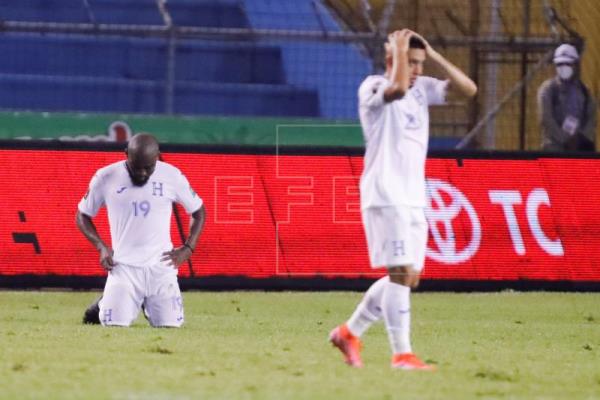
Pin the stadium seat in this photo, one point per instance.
(44, 11)
(38, 93)
(137, 96)
(240, 62)
(259, 100)
(122, 58)
(335, 69)
(215, 13)
(136, 12)
(117, 74)
(221, 14)
(72, 56)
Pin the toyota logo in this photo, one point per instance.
(441, 212)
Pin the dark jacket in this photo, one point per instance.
(552, 114)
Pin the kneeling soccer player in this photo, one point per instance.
(142, 270)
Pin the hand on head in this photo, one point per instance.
(399, 40)
(403, 40)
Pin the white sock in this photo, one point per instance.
(396, 313)
(369, 310)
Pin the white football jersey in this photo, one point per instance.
(396, 137)
(139, 216)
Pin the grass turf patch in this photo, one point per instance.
(255, 345)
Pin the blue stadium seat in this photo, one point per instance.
(260, 100)
(139, 59)
(289, 14)
(212, 13)
(44, 11)
(334, 69)
(115, 74)
(136, 12)
(123, 95)
(39, 93)
(240, 62)
(217, 14)
(71, 56)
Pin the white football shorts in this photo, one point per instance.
(396, 236)
(128, 288)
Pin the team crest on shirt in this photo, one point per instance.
(157, 189)
(419, 97)
(412, 121)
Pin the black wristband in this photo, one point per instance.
(189, 247)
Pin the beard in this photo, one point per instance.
(136, 180)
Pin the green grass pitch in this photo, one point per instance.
(255, 345)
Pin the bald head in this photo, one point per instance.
(142, 155)
(143, 144)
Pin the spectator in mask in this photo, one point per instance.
(567, 111)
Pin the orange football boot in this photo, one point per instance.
(348, 344)
(410, 361)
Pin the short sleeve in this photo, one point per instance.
(186, 195)
(93, 199)
(371, 91)
(435, 90)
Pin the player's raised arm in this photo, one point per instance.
(397, 55)
(459, 82)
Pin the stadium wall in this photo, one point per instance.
(238, 131)
(288, 218)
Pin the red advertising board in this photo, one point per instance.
(297, 216)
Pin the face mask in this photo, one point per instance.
(565, 72)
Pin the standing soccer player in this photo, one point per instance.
(142, 269)
(395, 120)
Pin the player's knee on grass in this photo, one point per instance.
(164, 311)
(118, 306)
(164, 306)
